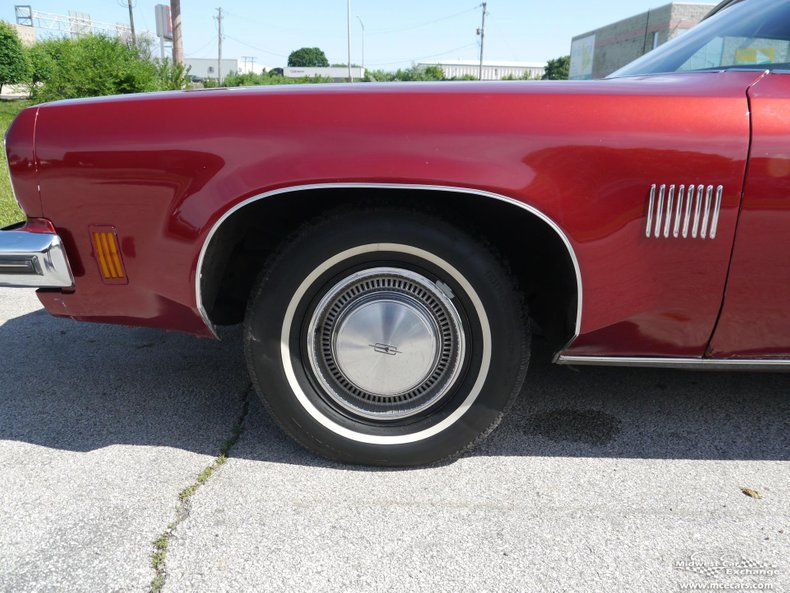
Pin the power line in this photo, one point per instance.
(202, 47)
(424, 24)
(266, 51)
(272, 26)
(370, 31)
(249, 64)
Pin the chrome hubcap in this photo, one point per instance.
(386, 343)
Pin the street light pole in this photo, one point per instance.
(482, 32)
(219, 46)
(363, 42)
(131, 24)
(348, 25)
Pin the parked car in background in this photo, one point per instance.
(389, 248)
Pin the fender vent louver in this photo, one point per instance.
(684, 211)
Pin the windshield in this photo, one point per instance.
(748, 34)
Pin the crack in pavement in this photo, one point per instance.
(161, 543)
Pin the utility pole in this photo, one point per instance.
(219, 45)
(363, 42)
(131, 24)
(482, 32)
(348, 26)
(178, 45)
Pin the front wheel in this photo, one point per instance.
(386, 337)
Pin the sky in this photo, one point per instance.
(397, 33)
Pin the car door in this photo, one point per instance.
(755, 318)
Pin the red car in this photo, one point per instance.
(390, 248)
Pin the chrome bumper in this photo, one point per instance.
(35, 260)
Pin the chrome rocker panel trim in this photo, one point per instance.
(731, 364)
(443, 188)
(33, 260)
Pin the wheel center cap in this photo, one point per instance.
(386, 345)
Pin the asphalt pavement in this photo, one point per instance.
(598, 480)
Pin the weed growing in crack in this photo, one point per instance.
(161, 543)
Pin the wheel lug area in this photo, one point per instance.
(385, 343)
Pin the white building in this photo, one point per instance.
(247, 66)
(492, 69)
(206, 68)
(337, 74)
(27, 35)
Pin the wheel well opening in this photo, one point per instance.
(537, 256)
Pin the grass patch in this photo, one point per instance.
(9, 212)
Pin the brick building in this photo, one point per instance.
(598, 53)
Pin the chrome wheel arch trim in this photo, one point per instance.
(360, 437)
(733, 364)
(402, 186)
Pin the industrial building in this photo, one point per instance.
(492, 70)
(336, 73)
(209, 68)
(26, 34)
(598, 53)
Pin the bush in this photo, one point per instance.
(94, 66)
(172, 77)
(407, 75)
(269, 78)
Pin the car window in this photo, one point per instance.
(747, 34)
(725, 52)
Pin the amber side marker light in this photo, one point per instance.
(107, 252)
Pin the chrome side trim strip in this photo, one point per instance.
(706, 216)
(678, 211)
(697, 212)
(669, 211)
(689, 201)
(716, 209)
(741, 364)
(649, 225)
(459, 190)
(659, 210)
(705, 222)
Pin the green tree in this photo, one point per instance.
(13, 62)
(307, 57)
(557, 69)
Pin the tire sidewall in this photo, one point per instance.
(282, 285)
